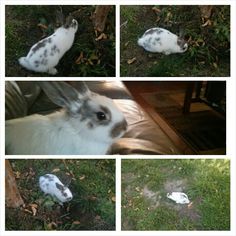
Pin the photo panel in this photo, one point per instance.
(111, 117)
(175, 40)
(60, 194)
(60, 40)
(175, 194)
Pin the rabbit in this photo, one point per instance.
(88, 123)
(178, 197)
(50, 184)
(45, 55)
(162, 41)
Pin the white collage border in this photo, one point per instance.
(231, 116)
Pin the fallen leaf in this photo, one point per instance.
(28, 211)
(215, 65)
(101, 36)
(208, 22)
(82, 177)
(130, 61)
(137, 189)
(79, 60)
(156, 10)
(126, 44)
(52, 226)
(76, 222)
(55, 170)
(113, 198)
(17, 174)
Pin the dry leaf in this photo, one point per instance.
(130, 61)
(82, 177)
(215, 65)
(76, 222)
(42, 26)
(208, 22)
(28, 211)
(137, 189)
(156, 10)
(17, 174)
(55, 170)
(79, 60)
(126, 44)
(101, 36)
(113, 198)
(52, 226)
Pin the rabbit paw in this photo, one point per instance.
(52, 71)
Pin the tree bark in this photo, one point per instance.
(100, 17)
(13, 197)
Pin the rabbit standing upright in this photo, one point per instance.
(88, 124)
(45, 55)
(162, 41)
(50, 184)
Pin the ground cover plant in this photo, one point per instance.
(92, 185)
(145, 184)
(207, 34)
(91, 54)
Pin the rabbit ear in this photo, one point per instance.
(63, 94)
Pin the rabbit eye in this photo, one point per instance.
(101, 115)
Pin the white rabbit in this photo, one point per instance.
(88, 124)
(178, 197)
(162, 41)
(45, 55)
(50, 184)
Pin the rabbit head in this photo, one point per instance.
(89, 114)
(71, 23)
(182, 45)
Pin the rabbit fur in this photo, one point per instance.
(87, 124)
(50, 184)
(162, 41)
(45, 55)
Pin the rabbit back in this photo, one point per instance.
(159, 40)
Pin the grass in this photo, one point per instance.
(92, 186)
(98, 56)
(145, 184)
(209, 46)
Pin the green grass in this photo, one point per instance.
(99, 56)
(209, 46)
(92, 185)
(206, 182)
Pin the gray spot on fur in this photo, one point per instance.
(45, 53)
(60, 187)
(39, 45)
(31, 55)
(88, 113)
(54, 49)
(118, 129)
(152, 31)
(49, 178)
(181, 42)
(157, 39)
(44, 62)
(49, 40)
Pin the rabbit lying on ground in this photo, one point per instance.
(45, 55)
(162, 41)
(50, 184)
(88, 124)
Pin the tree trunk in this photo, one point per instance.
(13, 197)
(100, 17)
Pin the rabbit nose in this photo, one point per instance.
(69, 198)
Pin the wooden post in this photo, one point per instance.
(13, 197)
(100, 17)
